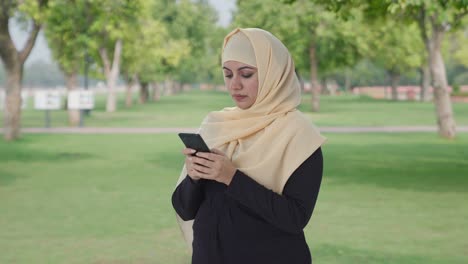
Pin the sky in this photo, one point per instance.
(41, 50)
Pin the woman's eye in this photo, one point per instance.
(247, 75)
(229, 76)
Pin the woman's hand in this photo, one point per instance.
(189, 163)
(211, 166)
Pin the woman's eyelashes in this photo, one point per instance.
(244, 75)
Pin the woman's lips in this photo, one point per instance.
(239, 97)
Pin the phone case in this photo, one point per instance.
(194, 141)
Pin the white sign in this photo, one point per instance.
(47, 100)
(80, 100)
(24, 100)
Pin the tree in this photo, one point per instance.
(442, 16)
(66, 32)
(194, 22)
(161, 50)
(319, 42)
(143, 52)
(109, 24)
(99, 28)
(13, 59)
(395, 47)
(435, 18)
(205, 38)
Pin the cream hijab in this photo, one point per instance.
(269, 140)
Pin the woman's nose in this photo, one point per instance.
(236, 83)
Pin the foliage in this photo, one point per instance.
(149, 48)
(76, 28)
(110, 21)
(67, 33)
(455, 48)
(444, 14)
(395, 46)
(462, 78)
(194, 22)
(28, 10)
(301, 23)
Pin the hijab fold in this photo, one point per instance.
(271, 139)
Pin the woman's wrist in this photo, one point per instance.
(193, 178)
(229, 176)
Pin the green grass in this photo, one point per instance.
(351, 110)
(188, 110)
(385, 198)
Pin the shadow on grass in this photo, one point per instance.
(419, 167)
(327, 253)
(7, 178)
(167, 160)
(28, 155)
(21, 151)
(25, 156)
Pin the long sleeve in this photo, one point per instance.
(187, 198)
(290, 211)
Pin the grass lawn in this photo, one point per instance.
(385, 198)
(189, 108)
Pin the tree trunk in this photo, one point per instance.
(168, 86)
(13, 62)
(144, 92)
(131, 81)
(443, 105)
(425, 82)
(129, 95)
(425, 67)
(301, 81)
(314, 82)
(394, 81)
(156, 92)
(331, 86)
(178, 87)
(71, 80)
(12, 110)
(348, 76)
(112, 73)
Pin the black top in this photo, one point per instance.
(248, 223)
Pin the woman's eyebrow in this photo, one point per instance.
(246, 67)
(241, 68)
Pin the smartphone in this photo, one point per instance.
(194, 141)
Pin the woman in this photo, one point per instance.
(251, 197)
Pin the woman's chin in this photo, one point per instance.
(243, 106)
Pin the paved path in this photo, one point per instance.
(147, 130)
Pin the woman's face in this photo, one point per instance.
(242, 83)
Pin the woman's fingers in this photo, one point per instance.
(202, 169)
(188, 151)
(209, 165)
(208, 156)
(195, 164)
(201, 161)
